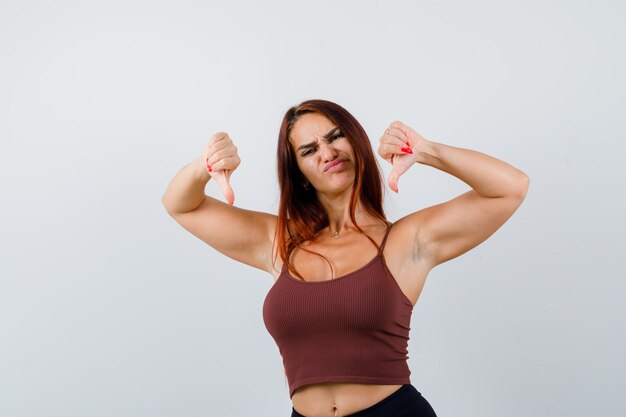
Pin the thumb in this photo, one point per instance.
(396, 170)
(394, 175)
(222, 177)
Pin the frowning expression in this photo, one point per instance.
(323, 153)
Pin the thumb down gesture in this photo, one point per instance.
(221, 159)
(399, 145)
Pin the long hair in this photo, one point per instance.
(301, 205)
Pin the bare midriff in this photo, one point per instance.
(338, 399)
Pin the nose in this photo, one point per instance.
(327, 151)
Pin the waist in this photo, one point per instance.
(323, 399)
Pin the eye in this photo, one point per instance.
(338, 135)
(331, 139)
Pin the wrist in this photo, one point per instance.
(427, 150)
(200, 169)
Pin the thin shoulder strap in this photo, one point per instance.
(382, 245)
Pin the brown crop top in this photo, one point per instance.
(354, 328)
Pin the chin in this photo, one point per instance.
(338, 186)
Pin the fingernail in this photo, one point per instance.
(408, 144)
(209, 167)
(407, 150)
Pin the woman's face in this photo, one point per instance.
(317, 155)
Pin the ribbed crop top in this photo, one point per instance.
(354, 328)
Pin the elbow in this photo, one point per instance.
(522, 188)
(165, 204)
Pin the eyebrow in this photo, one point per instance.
(311, 144)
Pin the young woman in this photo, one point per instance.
(346, 279)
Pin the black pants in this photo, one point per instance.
(405, 402)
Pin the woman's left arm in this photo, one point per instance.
(447, 230)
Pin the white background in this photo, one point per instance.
(109, 308)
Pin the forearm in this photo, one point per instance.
(487, 175)
(185, 191)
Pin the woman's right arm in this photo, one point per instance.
(243, 235)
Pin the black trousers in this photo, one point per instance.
(407, 401)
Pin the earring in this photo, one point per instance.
(306, 184)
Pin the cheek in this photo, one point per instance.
(305, 165)
(307, 162)
(346, 147)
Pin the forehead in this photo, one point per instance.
(308, 126)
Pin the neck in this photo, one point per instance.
(337, 209)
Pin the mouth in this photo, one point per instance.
(335, 165)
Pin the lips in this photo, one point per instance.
(333, 163)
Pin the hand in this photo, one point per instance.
(220, 159)
(399, 145)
